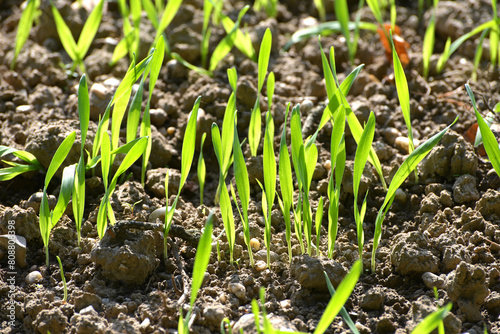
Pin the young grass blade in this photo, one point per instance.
(494, 36)
(243, 186)
(403, 94)
(489, 140)
(362, 151)
(321, 9)
(89, 30)
(343, 311)
(375, 8)
(264, 53)
(478, 54)
(228, 133)
(428, 45)
(63, 279)
(167, 16)
(269, 162)
(67, 184)
(227, 219)
(201, 259)
(188, 144)
(134, 113)
(342, 13)
(24, 27)
(206, 31)
(444, 56)
(286, 183)
(226, 44)
(201, 169)
(339, 299)
(243, 41)
(404, 170)
(59, 157)
(270, 90)
(432, 321)
(65, 35)
(318, 220)
(232, 77)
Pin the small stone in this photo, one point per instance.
(327, 164)
(262, 255)
(255, 244)
(19, 244)
(403, 144)
(237, 289)
(88, 310)
(260, 265)
(214, 314)
(464, 189)
(400, 195)
(432, 280)
(390, 134)
(170, 131)
(158, 117)
(35, 200)
(33, 277)
(373, 299)
(24, 108)
(309, 272)
(306, 106)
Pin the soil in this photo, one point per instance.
(442, 231)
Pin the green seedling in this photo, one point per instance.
(105, 209)
(286, 185)
(321, 9)
(404, 170)
(317, 221)
(335, 305)
(243, 186)
(145, 130)
(49, 219)
(304, 157)
(131, 31)
(343, 311)
(360, 160)
(494, 36)
(188, 147)
(479, 53)
(432, 321)
(269, 180)
(77, 51)
(337, 158)
(201, 260)
(15, 168)
(403, 96)
(243, 41)
(254, 130)
(488, 138)
(201, 169)
(220, 52)
(78, 203)
(228, 220)
(336, 94)
(342, 13)
(63, 279)
(328, 28)
(270, 6)
(429, 40)
(24, 27)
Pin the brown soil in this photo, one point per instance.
(442, 231)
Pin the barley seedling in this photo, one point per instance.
(201, 260)
(78, 203)
(63, 279)
(343, 311)
(337, 159)
(402, 173)
(342, 13)
(188, 147)
(403, 96)
(15, 168)
(49, 219)
(484, 132)
(432, 321)
(270, 6)
(336, 94)
(318, 219)
(429, 40)
(131, 32)
(243, 186)
(24, 27)
(201, 168)
(254, 130)
(286, 185)
(269, 180)
(78, 51)
(360, 160)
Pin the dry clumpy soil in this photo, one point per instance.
(441, 232)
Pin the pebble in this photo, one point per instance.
(170, 130)
(306, 106)
(403, 144)
(260, 265)
(327, 164)
(255, 244)
(390, 134)
(158, 117)
(20, 247)
(158, 213)
(400, 195)
(262, 255)
(432, 280)
(237, 289)
(33, 277)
